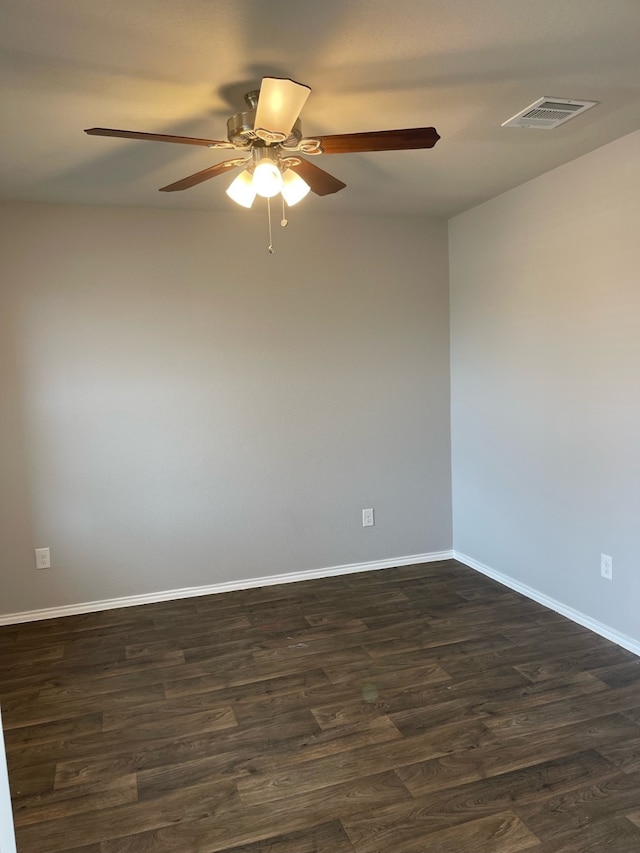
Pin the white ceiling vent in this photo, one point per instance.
(547, 113)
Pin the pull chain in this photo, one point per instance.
(284, 222)
(271, 249)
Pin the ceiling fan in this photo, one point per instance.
(270, 133)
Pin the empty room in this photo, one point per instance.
(319, 418)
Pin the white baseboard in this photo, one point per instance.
(564, 610)
(600, 628)
(227, 586)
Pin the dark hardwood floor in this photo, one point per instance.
(416, 709)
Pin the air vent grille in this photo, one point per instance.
(547, 113)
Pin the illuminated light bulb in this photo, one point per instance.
(242, 190)
(294, 189)
(267, 180)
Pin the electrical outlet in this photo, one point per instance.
(367, 518)
(606, 566)
(43, 558)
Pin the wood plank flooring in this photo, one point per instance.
(416, 709)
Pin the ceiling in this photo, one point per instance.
(182, 67)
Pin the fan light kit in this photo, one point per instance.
(270, 133)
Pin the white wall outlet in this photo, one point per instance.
(606, 566)
(43, 558)
(367, 518)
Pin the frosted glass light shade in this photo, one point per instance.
(279, 106)
(242, 190)
(294, 189)
(267, 180)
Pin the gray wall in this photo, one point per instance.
(179, 408)
(545, 359)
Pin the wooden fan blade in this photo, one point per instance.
(379, 140)
(204, 175)
(158, 137)
(279, 105)
(321, 182)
